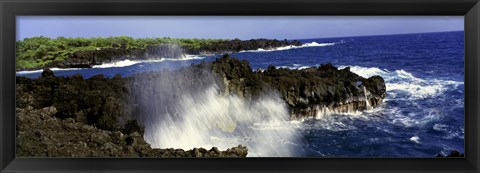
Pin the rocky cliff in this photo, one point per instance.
(61, 108)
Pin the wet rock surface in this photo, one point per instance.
(100, 116)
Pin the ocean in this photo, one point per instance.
(421, 116)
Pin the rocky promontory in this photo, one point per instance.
(101, 116)
(98, 56)
(308, 92)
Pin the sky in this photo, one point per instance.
(229, 27)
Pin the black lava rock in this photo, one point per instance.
(47, 72)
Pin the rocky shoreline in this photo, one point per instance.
(103, 112)
(89, 58)
(77, 117)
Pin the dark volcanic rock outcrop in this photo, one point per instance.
(95, 101)
(41, 134)
(310, 91)
(77, 117)
(64, 107)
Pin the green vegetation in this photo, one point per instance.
(39, 51)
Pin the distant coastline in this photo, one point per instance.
(43, 52)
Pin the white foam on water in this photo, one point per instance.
(187, 57)
(401, 81)
(292, 68)
(398, 81)
(418, 91)
(455, 134)
(330, 123)
(40, 71)
(127, 62)
(123, 63)
(420, 119)
(415, 139)
(315, 44)
(366, 72)
(449, 131)
(406, 121)
(29, 72)
(312, 44)
(440, 127)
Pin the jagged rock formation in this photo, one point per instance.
(95, 101)
(307, 92)
(111, 106)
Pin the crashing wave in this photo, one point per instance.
(405, 82)
(212, 120)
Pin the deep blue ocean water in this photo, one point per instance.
(421, 116)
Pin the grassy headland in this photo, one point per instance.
(37, 52)
(40, 52)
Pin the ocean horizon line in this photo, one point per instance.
(377, 35)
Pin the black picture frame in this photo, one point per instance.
(470, 9)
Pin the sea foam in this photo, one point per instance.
(405, 82)
(41, 70)
(415, 139)
(312, 44)
(127, 62)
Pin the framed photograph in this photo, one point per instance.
(262, 86)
